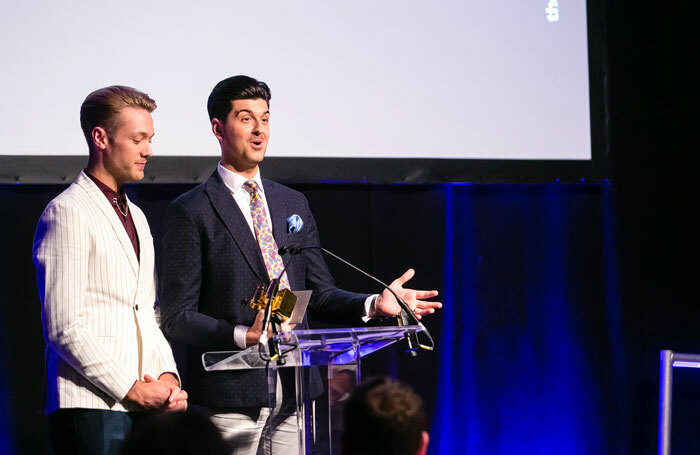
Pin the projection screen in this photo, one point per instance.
(443, 80)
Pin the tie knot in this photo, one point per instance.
(251, 187)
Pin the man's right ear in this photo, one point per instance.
(99, 138)
(424, 440)
(217, 128)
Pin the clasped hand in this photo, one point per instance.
(162, 394)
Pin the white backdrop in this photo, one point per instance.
(394, 78)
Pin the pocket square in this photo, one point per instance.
(294, 224)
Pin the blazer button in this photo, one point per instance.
(136, 307)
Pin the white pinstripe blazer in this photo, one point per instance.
(99, 309)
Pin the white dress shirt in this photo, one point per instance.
(234, 182)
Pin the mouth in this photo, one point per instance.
(141, 165)
(257, 144)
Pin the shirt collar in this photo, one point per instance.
(106, 190)
(235, 181)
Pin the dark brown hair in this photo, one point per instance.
(383, 416)
(223, 94)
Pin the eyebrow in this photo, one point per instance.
(251, 112)
(142, 134)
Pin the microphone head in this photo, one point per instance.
(292, 249)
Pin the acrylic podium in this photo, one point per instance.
(337, 351)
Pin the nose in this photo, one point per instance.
(147, 151)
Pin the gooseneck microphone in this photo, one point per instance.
(274, 345)
(294, 249)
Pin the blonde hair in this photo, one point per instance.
(102, 107)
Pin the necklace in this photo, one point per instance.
(123, 212)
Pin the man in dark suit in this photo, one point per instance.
(220, 240)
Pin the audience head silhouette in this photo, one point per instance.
(384, 416)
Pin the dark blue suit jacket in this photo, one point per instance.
(211, 263)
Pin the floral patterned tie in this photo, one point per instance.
(268, 247)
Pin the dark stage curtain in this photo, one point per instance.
(531, 356)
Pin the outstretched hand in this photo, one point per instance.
(386, 304)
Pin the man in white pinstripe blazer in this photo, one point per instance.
(106, 359)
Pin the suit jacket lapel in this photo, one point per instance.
(141, 225)
(142, 229)
(233, 219)
(105, 207)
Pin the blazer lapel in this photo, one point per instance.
(230, 214)
(145, 267)
(106, 208)
(142, 229)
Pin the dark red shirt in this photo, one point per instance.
(121, 207)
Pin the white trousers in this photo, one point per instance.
(249, 433)
(245, 433)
